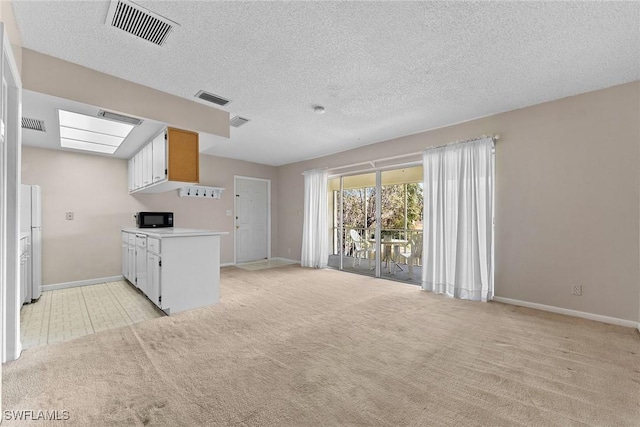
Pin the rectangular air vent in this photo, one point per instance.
(140, 22)
(119, 118)
(238, 121)
(209, 97)
(33, 124)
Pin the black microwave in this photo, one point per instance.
(154, 219)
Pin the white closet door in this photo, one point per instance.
(252, 206)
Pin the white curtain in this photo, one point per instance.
(315, 231)
(458, 216)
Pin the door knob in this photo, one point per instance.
(237, 227)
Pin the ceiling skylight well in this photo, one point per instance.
(87, 133)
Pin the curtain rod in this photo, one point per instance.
(373, 168)
(494, 137)
(372, 163)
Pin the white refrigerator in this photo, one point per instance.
(31, 222)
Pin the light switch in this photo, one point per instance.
(69, 216)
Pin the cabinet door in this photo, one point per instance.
(141, 269)
(132, 264)
(153, 278)
(125, 260)
(137, 166)
(147, 161)
(131, 175)
(159, 158)
(183, 155)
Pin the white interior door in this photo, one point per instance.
(252, 216)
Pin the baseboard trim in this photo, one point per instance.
(275, 258)
(297, 261)
(65, 285)
(569, 312)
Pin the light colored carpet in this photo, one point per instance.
(297, 347)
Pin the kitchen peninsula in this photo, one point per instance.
(178, 269)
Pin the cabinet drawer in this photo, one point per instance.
(132, 239)
(141, 241)
(153, 245)
(125, 237)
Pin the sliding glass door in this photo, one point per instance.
(401, 224)
(351, 199)
(376, 223)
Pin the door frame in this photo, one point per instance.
(235, 212)
(377, 272)
(12, 147)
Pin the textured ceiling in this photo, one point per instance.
(380, 69)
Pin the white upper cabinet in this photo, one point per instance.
(169, 161)
(147, 165)
(159, 166)
(137, 171)
(131, 175)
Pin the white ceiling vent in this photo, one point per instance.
(119, 118)
(238, 121)
(215, 99)
(33, 124)
(140, 22)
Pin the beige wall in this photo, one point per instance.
(211, 214)
(95, 189)
(567, 198)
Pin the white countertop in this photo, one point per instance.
(24, 234)
(174, 232)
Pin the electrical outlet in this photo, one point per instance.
(576, 290)
(69, 216)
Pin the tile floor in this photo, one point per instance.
(264, 264)
(73, 312)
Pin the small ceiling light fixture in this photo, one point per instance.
(318, 109)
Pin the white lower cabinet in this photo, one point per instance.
(129, 256)
(125, 260)
(154, 264)
(177, 270)
(141, 262)
(131, 263)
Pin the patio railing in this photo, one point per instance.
(348, 245)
